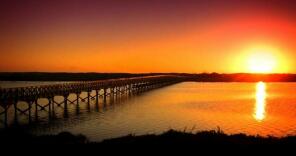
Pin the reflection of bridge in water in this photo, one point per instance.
(26, 101)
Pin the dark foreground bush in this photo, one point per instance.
(172, 139)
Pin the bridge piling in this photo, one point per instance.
(105, 95)
(88, 100)
(36, 110)
(49, 108)
(97, 97)
(53, 107)
(30, 111)
(66, 106)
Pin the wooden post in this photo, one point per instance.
(30, 109)
(97, 97)
(77, 99)
(105, 95)
(53, 102)
(88, 100)
(36, 110)
(66, 106)
(77, 103)
(111, 95)
(88, 97)
(49, 108)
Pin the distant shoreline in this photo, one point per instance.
(200, 77)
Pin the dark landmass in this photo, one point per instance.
(172, 138)
(205, 139)
(202, 77)
(242, 77)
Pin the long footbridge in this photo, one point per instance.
(11, 98)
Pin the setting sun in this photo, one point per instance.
(261, 58)
(261, 62)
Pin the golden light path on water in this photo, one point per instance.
(259, 113)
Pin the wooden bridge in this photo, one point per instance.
(95, 90)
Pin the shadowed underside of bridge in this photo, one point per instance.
(95, 90)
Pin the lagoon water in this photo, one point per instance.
(251, 108)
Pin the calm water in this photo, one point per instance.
(252, 108)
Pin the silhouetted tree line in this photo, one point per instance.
(243, 77)
(202, 77)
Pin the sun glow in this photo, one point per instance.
(261, 58)
(261, 62)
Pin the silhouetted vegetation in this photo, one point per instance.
(202, 77)
(206, 139)
(242, 77)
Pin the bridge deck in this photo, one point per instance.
(11, 95)
(110, 90)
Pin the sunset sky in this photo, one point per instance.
(148, 36)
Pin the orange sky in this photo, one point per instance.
(180, 36)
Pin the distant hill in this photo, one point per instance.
(243, 77)
(201, 77)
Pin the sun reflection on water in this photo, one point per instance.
(259, 113)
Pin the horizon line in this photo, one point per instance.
(65, 72)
